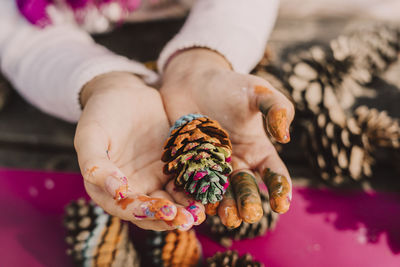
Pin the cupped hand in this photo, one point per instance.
(248, 107)
(119, 141)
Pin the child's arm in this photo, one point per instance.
(236, 29)
(205, 70)
(123, 125)
(49, 66)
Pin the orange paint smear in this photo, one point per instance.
(279, 191)
(229, 214)
(251, 212)
(124, 203)
(277, 124)
(163, 209)
(261, 90)
(92, 170)
(211, 208)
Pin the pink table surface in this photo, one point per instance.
(323, 227)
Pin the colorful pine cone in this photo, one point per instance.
(96, 238)
(173, 249)
(246, 230)
(232, 259)
(197, 154)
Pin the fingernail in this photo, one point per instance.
(157, 208)
(197, 213)
(277, 125)
(183, 220)
(211, 208)
(117, 188)
(229, 215)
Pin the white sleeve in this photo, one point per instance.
(237, 29)
(50, 66)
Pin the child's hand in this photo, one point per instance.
(119, 141)
(200, 80)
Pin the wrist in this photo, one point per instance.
(108, 82)
(195, 59)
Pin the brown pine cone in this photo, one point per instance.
(245, 230)
(338, 151)
(231, 259)
(96, 238)
(198, 153)
(173, 249)
(381, 129)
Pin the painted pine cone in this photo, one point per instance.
(245, 230)
(96, 238)
(231, 258)
(173, 249)
(197, 154)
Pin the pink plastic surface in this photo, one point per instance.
(323, 227)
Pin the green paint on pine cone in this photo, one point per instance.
(202, 172)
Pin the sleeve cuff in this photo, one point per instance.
(236, 29)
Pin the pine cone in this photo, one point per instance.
(337, 151)
(231, 259)
(381, 129)
(325, 83)
(96, 238)
(173, 249)
(245, 230)
(198, 153)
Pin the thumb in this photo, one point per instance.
(91, 145)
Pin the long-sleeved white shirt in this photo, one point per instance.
(49, 66)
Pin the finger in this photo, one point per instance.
(96, 168)
(211, 208)
(276, 178)
(194, 207)
(277, 110)
(183, 220)
(228, 211)
(247, 195)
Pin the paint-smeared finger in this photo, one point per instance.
(277, 179)
(144, 207)
(247, 195)
(277, 110)
(194, 207)
(183, 220)
(279, 189)
(211, 208)
(228, 211)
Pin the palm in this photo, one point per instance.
(129, 132)
(224, 96)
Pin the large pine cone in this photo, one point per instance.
(245, 230)
(231, 259)
(96, 238)
(173, 249)
(198, 153)
(338, 151)
(325, 82)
